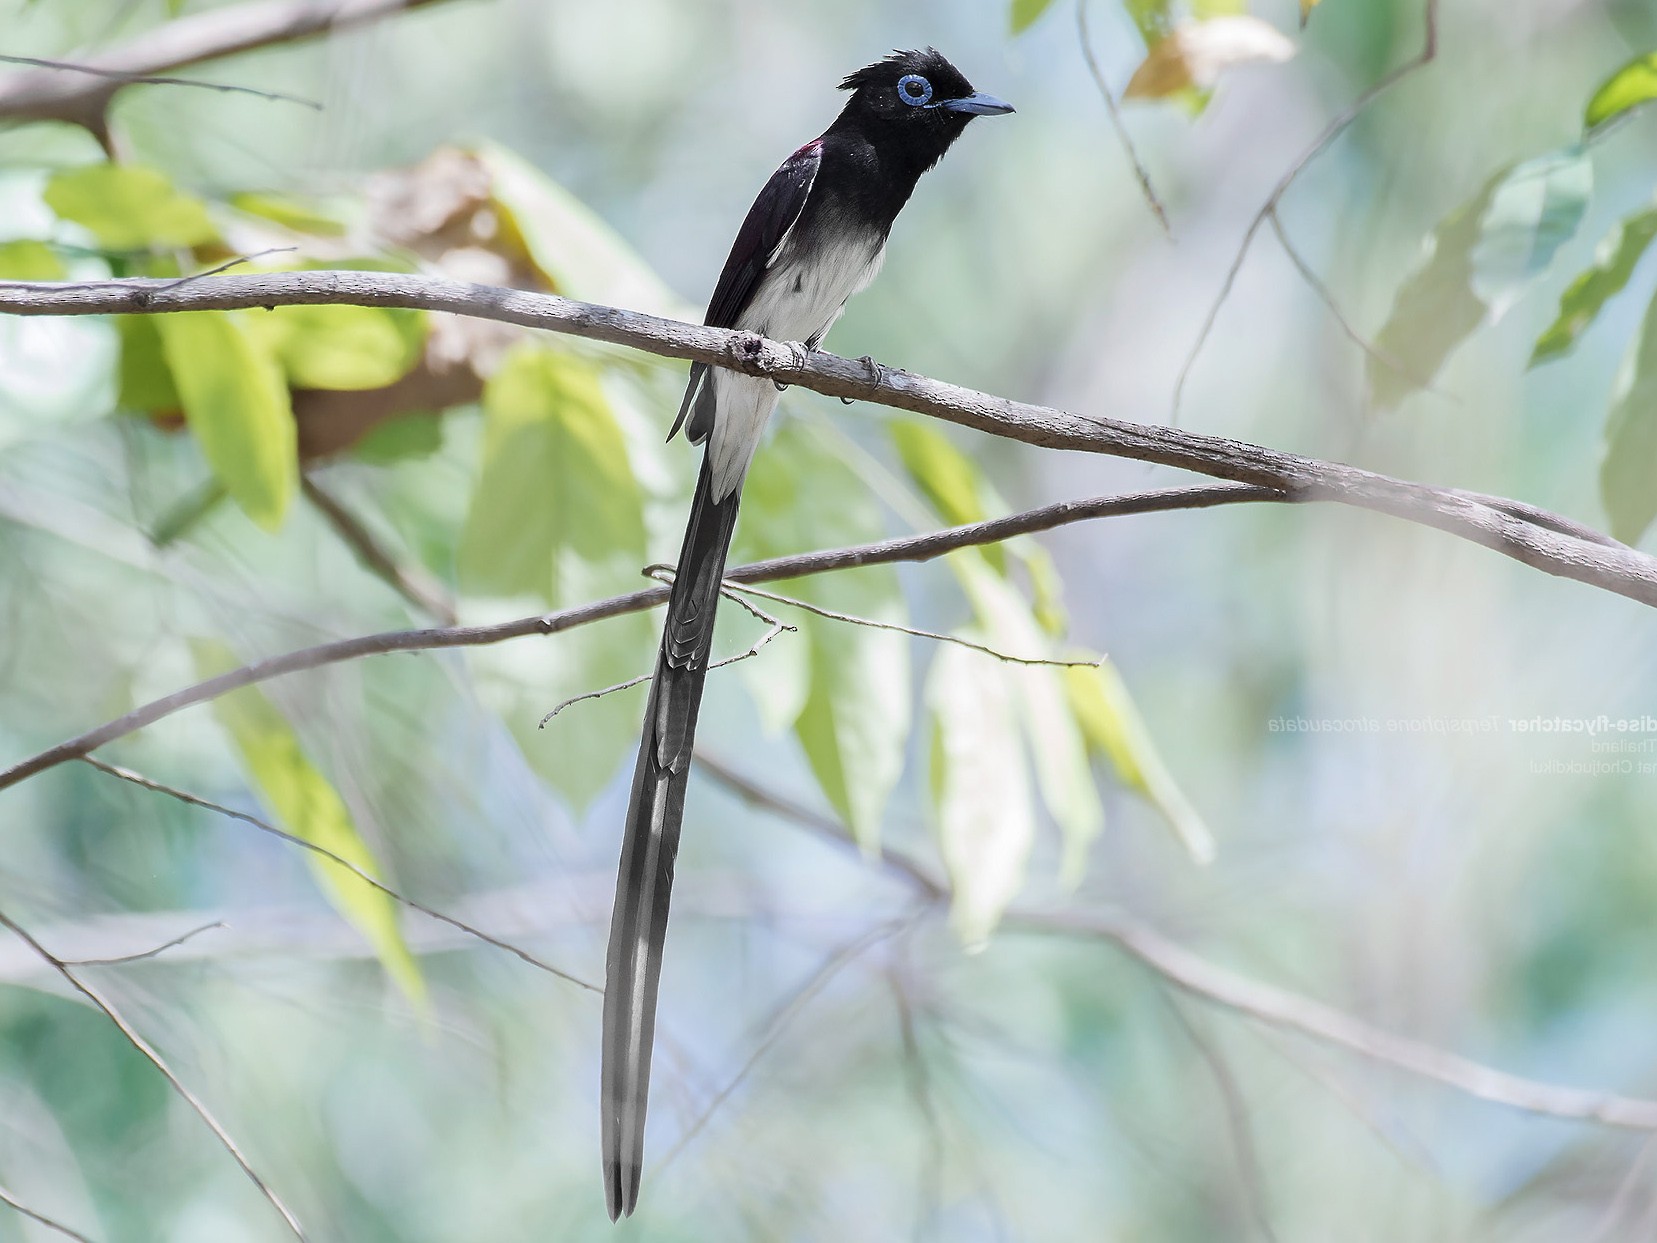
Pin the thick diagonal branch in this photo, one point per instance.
(1544, 541)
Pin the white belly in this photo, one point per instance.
(799, 299)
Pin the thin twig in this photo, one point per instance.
(1332, 131)
(413, 583)
(1139, 171)
(17, 1205)
(1273, 1006)
(195, 800)
(775, 628)
(882, 552)
(957, 640)
(155, 1059)
(1538, 545)
(779, 1019)
(1327, 296)
(151, 953)
(150, 79)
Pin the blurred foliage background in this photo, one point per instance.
(1331, 693)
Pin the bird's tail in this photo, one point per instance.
(644, 882)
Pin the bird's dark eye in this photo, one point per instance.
(914, 90)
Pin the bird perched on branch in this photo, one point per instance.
(815, 236)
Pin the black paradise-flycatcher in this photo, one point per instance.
(815, 236)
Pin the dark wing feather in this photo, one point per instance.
(773, 214)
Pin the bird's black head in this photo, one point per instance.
(917, 99)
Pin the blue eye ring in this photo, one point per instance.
(914, 90)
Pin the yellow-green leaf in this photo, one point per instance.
(1614, 263)
(1306, 7)
(343, 347)
(1632, 85)
(29, 261)
(1628, 475)
(1115, 730)
(950, 480)
(291, 213)
(556, 501)
(129, 207)
(144, 382)
(303, 802)
(236, 403)
(1025, 13)
(980, 786)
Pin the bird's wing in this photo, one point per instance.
(761, 237)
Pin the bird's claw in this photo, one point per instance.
(877, 375)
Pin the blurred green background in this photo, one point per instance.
(1486, 891)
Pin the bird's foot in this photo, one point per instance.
(877, 375)
(802, 351)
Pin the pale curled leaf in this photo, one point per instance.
(1534, 211)
(1115, 730)
(980, 788)
(1628, 474)
(1614, 262)
(1628, 88)
(1194, 54)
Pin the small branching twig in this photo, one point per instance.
(155, 1059)
(775, 628)
(957, 640)
(195, 800)
(123, 959)
(1268, 210)
(149, 79)
(1085, 38)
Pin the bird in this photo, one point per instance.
(815, 236)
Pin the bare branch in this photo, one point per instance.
(908, 548)
(1539, 545)
(1283, 1009)
(155, 1059)
(1332, 131)
(82, 98)
(413, 583)
(130, 79)
(17, 1205)
(195, 800)
(1272, 1006)
(1085, 38)
(123, 959)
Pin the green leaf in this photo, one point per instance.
(304, 803)
(1306, 7)
(1632, 85)
(950, 480)
(291, 213)
(980, 788)
(1435, 309)
(1534, 211)
(401, 439)
(556, 510)
(1628, 474)
(29, 261)
(1115, 730)
(129, 207)
(580, 255)
(237, 407)
(1025, 13)
(853, 721)
(144, 382)
(1614, 263)
(347, 348)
